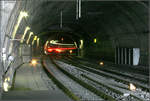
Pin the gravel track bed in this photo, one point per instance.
(50, 85)
(78, 72)
(134, 76)
(74, 87)
(125, 80)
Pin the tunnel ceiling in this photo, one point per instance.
(102, 19)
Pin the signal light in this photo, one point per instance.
(95, 40)
(101, 63)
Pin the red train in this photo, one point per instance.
(59, 48)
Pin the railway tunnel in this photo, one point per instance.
(111, 39)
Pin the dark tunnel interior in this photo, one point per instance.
(108, 35)
(113, 24)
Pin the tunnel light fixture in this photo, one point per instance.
(33, 42)
(21, 15)
(7, 79)
(25, 31)
(75, 44)
(78, 9)
(81, 44)
(47, 42)
(31, 33)
(5, 86)
(95, 40)
(38, 41)
(35, 37)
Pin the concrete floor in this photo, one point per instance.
(29, 78)
(31, 83)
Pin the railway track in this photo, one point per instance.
(69, 86)
(136, 77)
(140, 93)
(96, 81)
(95, 86)
(119, 78)
(139, 71)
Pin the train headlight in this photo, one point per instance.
(70, 51)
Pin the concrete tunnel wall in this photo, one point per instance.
(125, 25)
(6, 8)
(10, 60)
(127, 28)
